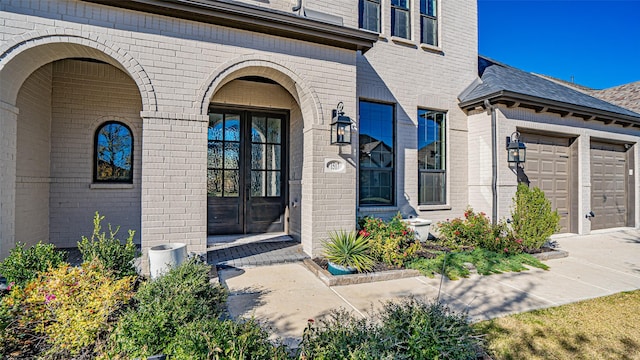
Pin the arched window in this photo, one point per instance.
(113, 153)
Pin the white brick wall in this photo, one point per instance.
(176, 66)
(32, 158)
(85, 95)
(409, 75)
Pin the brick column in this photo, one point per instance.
(174, 181)
(328, 192)
(8, 143)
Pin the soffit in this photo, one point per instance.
(252, 18)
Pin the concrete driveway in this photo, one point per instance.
(285, 296)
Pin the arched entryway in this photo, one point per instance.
(257, 149)
(58, 92)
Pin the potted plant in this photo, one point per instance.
(347, 253)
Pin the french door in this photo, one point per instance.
(246, 171)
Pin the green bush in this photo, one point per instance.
(64, 313)
(391, 242)
(24, 264)
(501, 240)
(349, 250)
(533, 219)
(406, 330)
(114, 255)
(473, 230)
(163, 306)
(217, 339)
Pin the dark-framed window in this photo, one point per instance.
(429, 22)
(400, 19)
(370, 15)
(113, 153)
(377, 154)
(432, 176)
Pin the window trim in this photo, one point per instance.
(445, 201)
(392, 17)
(437, 27)
(394, 172)
(361, 7)
(95, 179)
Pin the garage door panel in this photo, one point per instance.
(547, 167)
(608, 186)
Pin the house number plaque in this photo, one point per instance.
(334, 166)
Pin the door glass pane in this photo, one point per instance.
(214, 183)
(257, 184)
(273, 157)
(215, 127)
(273, 183)
(232, 128)
(274, 130)
(214, 154)
(231, 183)
(232, 155)
(258, 129)
(258, 156)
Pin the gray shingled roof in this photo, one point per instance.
(496, 78)
(627, 95)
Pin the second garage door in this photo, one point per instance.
(548, 167)
(608, 185)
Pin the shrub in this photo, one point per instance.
(349, 250)
(163, 306)
(216, 339)
(533, 219)
(24, 264)
(471, 231)
(406, 330)
(65, 312)
(422, 330)
(109, 250)
(391, 242)
(501, 240)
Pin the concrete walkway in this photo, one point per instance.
(285, 296)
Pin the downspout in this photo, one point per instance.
(297, 7)
(494, 161)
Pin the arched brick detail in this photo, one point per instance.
(23, 54)
(257, 65)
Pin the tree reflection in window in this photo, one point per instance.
(113, 153)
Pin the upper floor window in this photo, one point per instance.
(429, 22)
(400, 19)
(431, 158)
(377, 143)
(113, 159)
(370, 15)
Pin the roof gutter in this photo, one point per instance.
(582, 111)
(253, 18)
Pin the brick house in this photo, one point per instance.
(183, 119)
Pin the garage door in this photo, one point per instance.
(608, 185)
(547, 167)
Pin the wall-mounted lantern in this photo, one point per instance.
(516, 149)
(340, 127)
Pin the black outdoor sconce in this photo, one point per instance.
(340, 127)
(516, 149)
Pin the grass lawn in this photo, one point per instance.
(603, 328)
(486, 263)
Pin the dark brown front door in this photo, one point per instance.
(246, 171)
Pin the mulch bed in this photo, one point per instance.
(428, 251)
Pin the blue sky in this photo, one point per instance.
(597, 41)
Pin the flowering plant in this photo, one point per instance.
(391, 242)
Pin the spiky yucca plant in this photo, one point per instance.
(349, 250)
